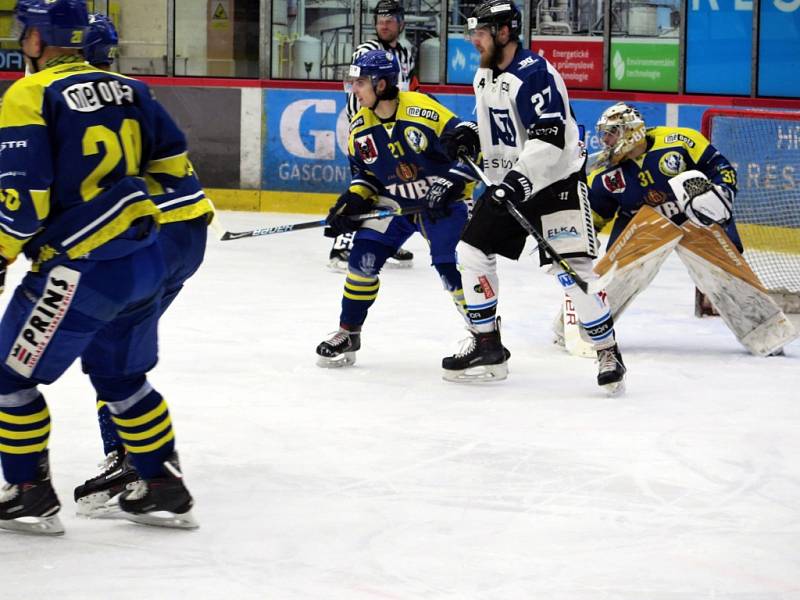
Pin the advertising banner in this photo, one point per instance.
(462, 60)
(779, 48)
(578, 59)
(644, 64)
(11, 60)
(719, 37)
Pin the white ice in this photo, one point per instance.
(384, 482)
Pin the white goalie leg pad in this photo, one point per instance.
(481, 285)
(639, 252)
(720, 271)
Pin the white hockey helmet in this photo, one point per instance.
(623, 127)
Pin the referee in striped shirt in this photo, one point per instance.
(389, 24)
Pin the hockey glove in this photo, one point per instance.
(462, 140)
(702, 201)
(339, 220)
(442, 192)
(515, 189)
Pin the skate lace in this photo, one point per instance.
(608, 360)
(108, 462)
(8, 492)
(466, 347)
(337, 338)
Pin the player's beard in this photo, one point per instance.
(492, 58)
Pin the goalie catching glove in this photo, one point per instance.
(702, 201)
(339, 220)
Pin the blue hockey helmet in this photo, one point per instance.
(377, 65)
(61, 23)
(100, 43)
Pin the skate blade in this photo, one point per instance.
(479, 374)
(164, 519)
(34, 525)
(346, 359)
(337, 266)
(614, 389)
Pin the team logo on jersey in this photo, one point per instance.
(671, 164)
(502, 127)
(526, 62)
(425, 113)
(365, 149)
(655, 197)
(357, 123)
(614, 181)
(679, 137)
(406, 171)
(93, 95)
(416, 139)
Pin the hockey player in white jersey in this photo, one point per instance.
(531, 151)
(389, 26)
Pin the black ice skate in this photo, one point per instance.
(402, 259)
(98, 496)
(161, 502)
(340, 349)
(482, 358)
(31, 507)
(611, 370)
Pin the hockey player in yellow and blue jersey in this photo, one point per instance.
(182, 238)
(637, 164)
(397, 161)
(77, 143)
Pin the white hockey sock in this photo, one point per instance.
(593, 310)
(481, 286)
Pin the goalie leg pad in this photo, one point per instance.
(722, 274)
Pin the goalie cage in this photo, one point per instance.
(764, 147)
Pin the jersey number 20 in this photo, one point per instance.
(125, 144)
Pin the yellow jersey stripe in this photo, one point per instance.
(150, 447)
(143, 435)
(25, 435)
(24, 419)
(142, 419)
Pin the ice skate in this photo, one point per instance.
(337, 260)
(31, 507)
(611, 373)
(339, 350)
(402, 259)
(482, 358)
(98, 496)
(160, 502)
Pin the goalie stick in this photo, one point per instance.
(225, 235)
(587, 287)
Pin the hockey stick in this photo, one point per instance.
(588, 287)
(376, 214)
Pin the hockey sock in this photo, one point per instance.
(24, 431)
(451, 279)
(361, 286)
(108, 431)
(144, 424)
(593, 310)
(481, 286)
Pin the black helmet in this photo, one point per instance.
(495, 14)
(390, 8)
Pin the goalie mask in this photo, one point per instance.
(620, 128)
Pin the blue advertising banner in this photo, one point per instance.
(462, 60)
(719, 37)
(11, 60)
(779, 48)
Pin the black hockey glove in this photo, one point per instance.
(515, 189)
(339, 220)
(442, 192)
(462, 140)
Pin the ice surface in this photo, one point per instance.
(384, 482)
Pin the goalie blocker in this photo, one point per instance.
(714, 264)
